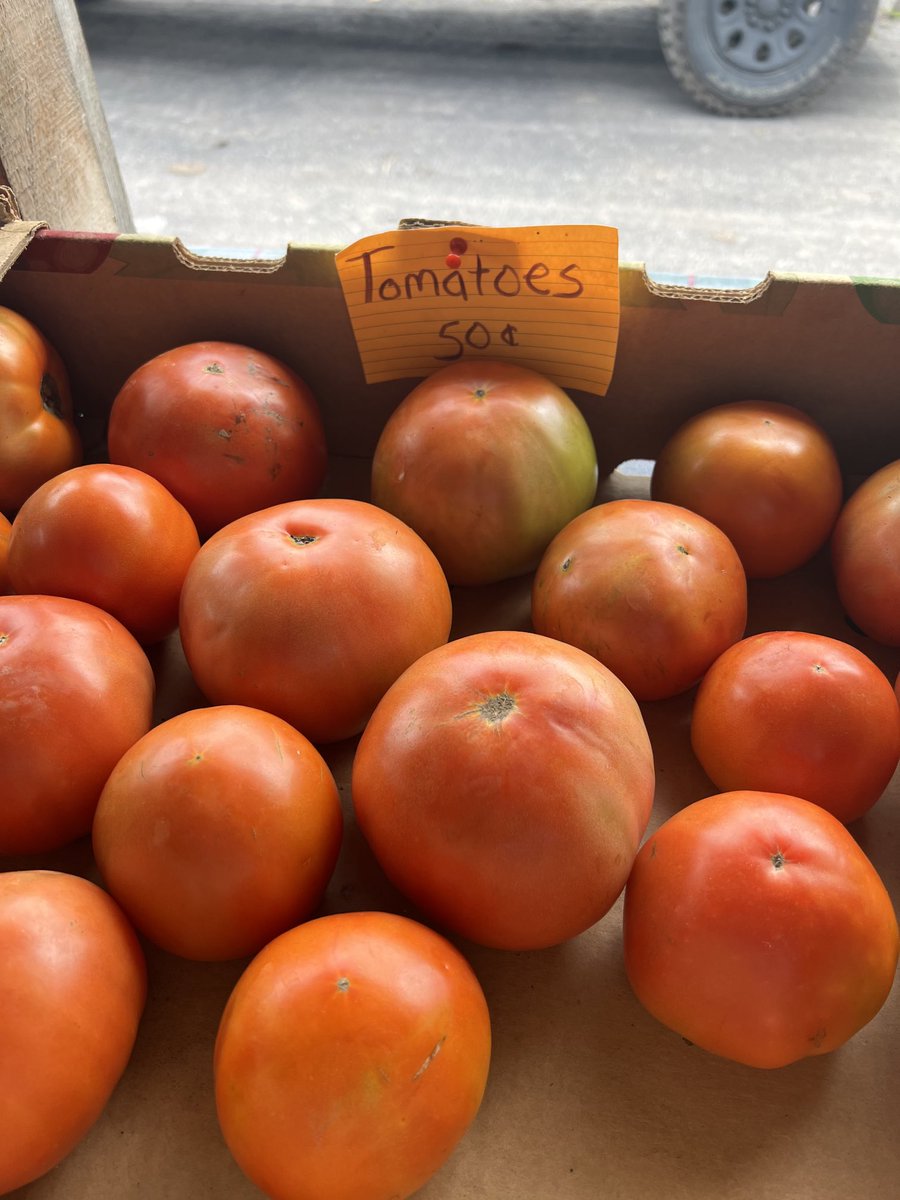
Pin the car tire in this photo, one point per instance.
(760, 58)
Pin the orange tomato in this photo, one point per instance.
(351, 1058)
(310, 611)
(218, 830)
(486, 461)
(865, 555)
(765, 473)
(38, 436)
(111, 536)
(72, 992)
(504, 783)
(227, 429)
(653, 591)
(5, 530)
(795, 712)
(756, 927)
(76, 691)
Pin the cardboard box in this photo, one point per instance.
(588, 1096)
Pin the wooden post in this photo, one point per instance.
(55, 149)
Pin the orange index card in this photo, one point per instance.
(546, 298)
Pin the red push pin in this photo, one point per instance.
(458, 247)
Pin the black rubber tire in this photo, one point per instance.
(735, 82)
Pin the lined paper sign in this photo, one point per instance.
(547, 299)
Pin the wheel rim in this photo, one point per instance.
(765, 36)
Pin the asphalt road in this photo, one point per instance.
(243, 126)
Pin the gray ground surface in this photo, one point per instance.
(242, 126)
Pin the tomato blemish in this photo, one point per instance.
(343, 984)
(50, 396)
(214, 369)
(430, 1059)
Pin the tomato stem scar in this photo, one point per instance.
(496, 708)
(304, 539)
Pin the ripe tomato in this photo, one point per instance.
(653, 591)
(487, 461)
(38, 437)
(756, 928)
(228, 430)
(76, 690)
(351, 1058)
(5, 530)
(799, 713)
(504, 783)
(216, 831)
(310, 611)
(765, 473)
(72, 992)
(865, 555)
(111, 536)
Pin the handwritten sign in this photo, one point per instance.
(544, 298)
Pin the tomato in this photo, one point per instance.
(227, 429)
(800, 713)
(351, 1058)
(755, 926)
(72, 992)
(653, 591)
(76, 691)
(38, 436)
(216, 831)
(111, 536)
(504, 783)
(487, 461)
(5, 530)
(765, 473)
(865, 555)
(310, 611)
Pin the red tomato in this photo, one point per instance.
(38, 437)
(351, 1058)
(487, 461)
(5, 530)
(865, 555)
(504, 783)
(226, 429)
(756, 928)
(76, 690)
(310, 611)
(653, 591)
(765, 473)
(111, 536)
(72, 991)
(218, 830)
(798, 713)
